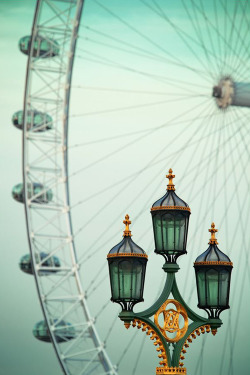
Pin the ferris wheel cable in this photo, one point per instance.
(238, 66)
(201, 220)
(182, 34)
(76, 205)
(107, 203)
(151, 129)
(223, 62)
(202, 199)
(237, 227)
(86, 258)
(218, 39)
(155, 77)
(138, 48)
(234, 28)
(208, 33)
(149, 40)
(93, 41)
(133, 107)
(114, 322)
(122, 91)
(197, 29)
(211, 41)
(139, 139)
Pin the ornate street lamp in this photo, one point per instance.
(127, 268)
(213, 273)
(170, 216)
(169, 322)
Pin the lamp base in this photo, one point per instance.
(171, 370)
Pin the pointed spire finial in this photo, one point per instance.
(170, 176)
(127, 232)
(213, 240)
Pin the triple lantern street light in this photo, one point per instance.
(170, 322)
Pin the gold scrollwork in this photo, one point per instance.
(192, 336)
(171, 320)
(157, 341)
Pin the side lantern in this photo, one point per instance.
(127, 268)
(213, 273)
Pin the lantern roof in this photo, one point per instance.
(213, 255)
(127, 247)
(170, 200)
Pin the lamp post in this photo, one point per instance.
(127, 268)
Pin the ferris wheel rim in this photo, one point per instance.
(102, 355)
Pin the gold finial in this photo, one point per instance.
(214, 331)
(213, 240)
(127, 232)
(170, 176)
(127, 324)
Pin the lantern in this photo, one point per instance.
(127, 268)
(213, 273)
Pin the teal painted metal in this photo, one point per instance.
(197, 320)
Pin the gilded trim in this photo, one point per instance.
(127, 255)
(171, 208)
(170, 370)
(171, 320)
(161, 350)
(213, 262)
(192, 336)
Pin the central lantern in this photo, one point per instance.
(170, 216)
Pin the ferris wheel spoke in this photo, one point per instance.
(146, 53)
(146, 38)
(183, 85)
(181, 33)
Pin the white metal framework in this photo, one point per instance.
(48, 82)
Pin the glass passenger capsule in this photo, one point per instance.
(63, 331)
(51, 262)
(42, 195)
(37, 121)
(43, 47)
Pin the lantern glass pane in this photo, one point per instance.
(201, 287)
(168, 232)
(137, 280)
(179, 232)
(114, 280)
(224, 287)
(212, 277)
(157, 232)
(125, 279)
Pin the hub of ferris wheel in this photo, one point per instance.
(229, 93)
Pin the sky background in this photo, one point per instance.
(102, 63)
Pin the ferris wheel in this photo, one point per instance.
(156, 84)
